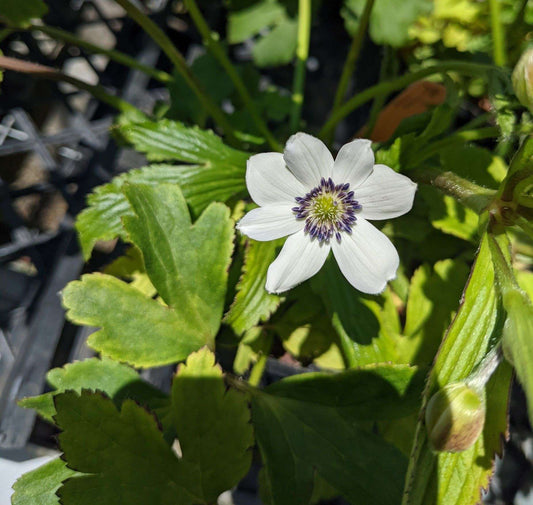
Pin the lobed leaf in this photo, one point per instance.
(187, 264)
(124, 458)
(116, 380)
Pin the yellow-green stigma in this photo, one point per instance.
(327, 209)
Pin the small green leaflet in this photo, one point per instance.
(126, 459)
(253, 304)
(310, 423)
(116, 380)
(215, 173)
(278, 46)
(187, 264)
(39, 486)
(21, 13)
(440, 479)
(388, 24)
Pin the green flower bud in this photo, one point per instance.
(523, 79)
(455, 416)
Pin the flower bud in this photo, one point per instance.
(523, 79)
(455, 416)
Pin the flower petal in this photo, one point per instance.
(270, 222)
(299, 259)
(270, 181)
(385, 194)
(366, 257)
(354, 163)
(308, 159)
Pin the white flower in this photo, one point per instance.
(324, 204)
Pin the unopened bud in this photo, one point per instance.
(455, 416)
(523, 79)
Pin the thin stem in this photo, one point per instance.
(498, 34)
(212, 41)
(346, 346)
(112, 54)
(464, 191)
(97, 91)
(178, 61)
(386, 88)
(302, 52)
(353, 54)
(257, 370)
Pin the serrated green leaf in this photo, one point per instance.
(457, 478)
(123, 454)
(125, 458)
(388, 24)
(21, 13)
(278, 46)
(248, 22)
(186, 264)
(253, 304)
(302, 428)
(357, 318)
(212, 424)
(39, 486)
(116, 380)
(216, 174)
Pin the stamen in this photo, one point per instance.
(328, 210)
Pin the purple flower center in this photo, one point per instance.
(327, 209)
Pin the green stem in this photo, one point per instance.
(464, 191)
(112, 54)
(385, 88)
(178, 61)
(257, 370)
(302, 52)
(212, 42)
(346, 346)
(97, 91)
(353, 54)
(498, 35)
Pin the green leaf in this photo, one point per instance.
(248, 22)
(306, 333)
(302, 428)
(123, 454)
(358, 319)
(457, 478)
(39, 486)
(517, 339)
(212, 424)
(388, 24)
(216, 175)
(433, 297)
(114, 379)
(278, 46)
(126, 459)
(21, 13)
(255, 342)
(253, 304)
(186, 264)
